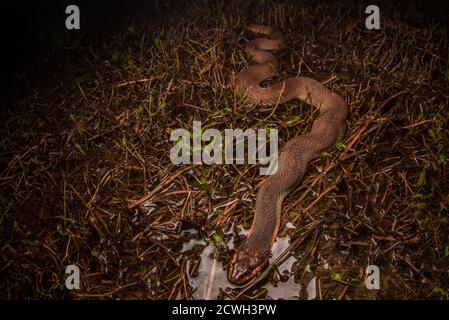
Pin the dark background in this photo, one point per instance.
(28, 30)
(26, 25)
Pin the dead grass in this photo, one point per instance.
(88, 141)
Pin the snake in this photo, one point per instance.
(253, 254)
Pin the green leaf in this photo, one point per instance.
(421, 205)
(66, 219)
(421, 179)
(340, 146)
(203, 183)
(218, 240)
(60, 230)
(73, 117)
(93, 253)
(218, 212)
(418, 196)
(294, 214)
(80, 148)
(241, 227)
(293, 120)
(336, 276)
(440, 291)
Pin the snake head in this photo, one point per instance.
(246, 264)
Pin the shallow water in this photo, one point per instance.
(189, 245)
(211, 276)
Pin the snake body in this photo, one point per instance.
(253, 255)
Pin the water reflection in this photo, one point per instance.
(211, 280)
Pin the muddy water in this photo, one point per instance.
(211, 276)
(288, 289)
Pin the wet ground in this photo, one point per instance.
(86, 177)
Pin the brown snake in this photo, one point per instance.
(253, 255)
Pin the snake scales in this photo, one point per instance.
(253, 255)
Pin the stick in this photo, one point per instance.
(135, 203)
